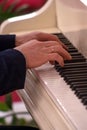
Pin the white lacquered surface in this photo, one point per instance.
(65, 99)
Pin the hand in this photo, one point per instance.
(37, 52)
(40, 36)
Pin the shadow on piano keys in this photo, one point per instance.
(56, 97)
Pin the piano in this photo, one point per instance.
(56, 97)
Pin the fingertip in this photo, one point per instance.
(61, 64)
(70, 57)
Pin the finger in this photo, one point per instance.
(50, 43)
(47, 37)
(60, 50)
(54, 43)
(63, 45)
(56, 57)
(63, 52)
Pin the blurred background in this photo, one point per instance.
(11, 8)
(12, 109)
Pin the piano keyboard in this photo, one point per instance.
(74, 71)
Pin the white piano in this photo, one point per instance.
(49, 99)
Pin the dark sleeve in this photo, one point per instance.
(12, 71)
(7, 41)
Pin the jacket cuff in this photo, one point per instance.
(7, 41)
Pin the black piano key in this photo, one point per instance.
(71, 47)
(74, 64)
(73, 50)
(74, 87)
(76, 53)
(72, 72)
(60, 35)
(71, 65)
(73, 84)
(63, 69)
(67, 71)
(81, 94)
(68, 78)
(82, 64)
(77, 57)
(80, 90)
(65, 41)
(84, 100)
(75, 75)
(76, 80)
(78, 86)
(75, 60)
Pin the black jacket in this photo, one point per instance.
(12, 66)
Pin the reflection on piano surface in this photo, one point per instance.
(56, 97)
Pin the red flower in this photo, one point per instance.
(31, 4)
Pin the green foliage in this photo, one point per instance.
(7, 105)
(4, 107)
(15, 120)
(8, 101)
(18, 121)
(2, 121)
